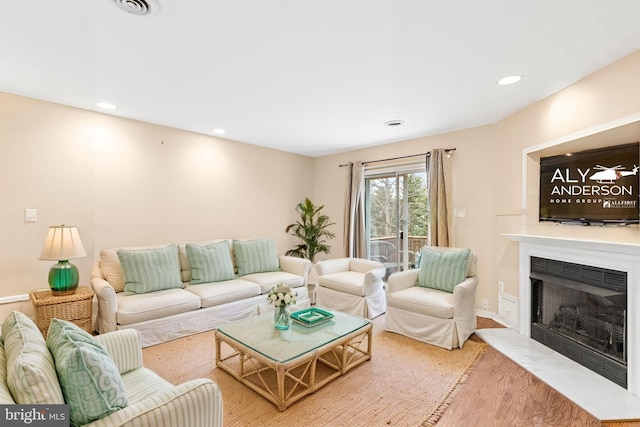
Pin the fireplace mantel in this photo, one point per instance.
(615, 255)
(622, 247)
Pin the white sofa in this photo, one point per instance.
(167, 314)
(38, 372)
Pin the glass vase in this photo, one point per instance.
(282, 317)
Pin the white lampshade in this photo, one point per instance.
(63, 243)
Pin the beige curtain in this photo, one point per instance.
(440, 209)
(354, 225)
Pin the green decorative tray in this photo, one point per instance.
(311, 316)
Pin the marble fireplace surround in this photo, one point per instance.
(594, 393)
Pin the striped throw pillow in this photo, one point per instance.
(31, 373)
(442, 270)
(150, 270)
(5, 393)
(210, 263)
(255, 256)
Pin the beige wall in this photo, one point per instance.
(124, 182)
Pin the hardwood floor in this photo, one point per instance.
(501, 393)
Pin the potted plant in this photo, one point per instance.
(312, 230)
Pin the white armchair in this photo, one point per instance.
(351, 285)
(427, 308)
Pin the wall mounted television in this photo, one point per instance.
(591, 187)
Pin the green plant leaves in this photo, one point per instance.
(312, 230)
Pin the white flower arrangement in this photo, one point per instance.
(282, 294)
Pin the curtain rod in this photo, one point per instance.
(447, 150)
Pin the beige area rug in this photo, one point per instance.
(406, 383)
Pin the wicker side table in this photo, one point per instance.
(75, 308)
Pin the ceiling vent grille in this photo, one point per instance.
(137, 7)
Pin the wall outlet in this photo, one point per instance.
(30, 215)
(485, 304)
(500, 286)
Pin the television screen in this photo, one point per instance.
(595, 186)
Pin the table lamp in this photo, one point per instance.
(62, 244)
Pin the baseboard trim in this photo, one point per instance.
(505, 322)
(14, 298)
(487, 314)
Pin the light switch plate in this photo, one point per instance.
(30, 215)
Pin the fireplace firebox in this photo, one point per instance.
(580, 311)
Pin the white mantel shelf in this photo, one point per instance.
(570, 242)
(607, 248)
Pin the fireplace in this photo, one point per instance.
(580, 311)
(620, 256)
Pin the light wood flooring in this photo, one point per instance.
(501, 393)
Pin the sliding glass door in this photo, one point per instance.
(396, 215)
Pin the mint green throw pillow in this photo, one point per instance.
(149, 270)
(90, 380)
(255, 256)
(210, 263)
(442, 270)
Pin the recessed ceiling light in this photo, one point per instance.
(219, 131)
(106, 105)
(509, 80)
(393, 123)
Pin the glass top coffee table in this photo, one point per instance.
(282, 366)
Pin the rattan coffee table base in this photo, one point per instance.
(285, 383)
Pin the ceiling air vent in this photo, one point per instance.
(137, 7)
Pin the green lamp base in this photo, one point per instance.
(63, 278)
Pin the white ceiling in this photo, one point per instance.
(310, 77)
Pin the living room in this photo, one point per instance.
(112, 177)
(127, 182)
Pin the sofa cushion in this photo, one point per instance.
(150, 270)
(349, 282)
(255, 256)
(5, 394)
(137, 308)
(31, 373)
(269, 279)
(143, 383)
(210, 263)
(217, 293)
(442, 270)
(416, 299)
(90, 380)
